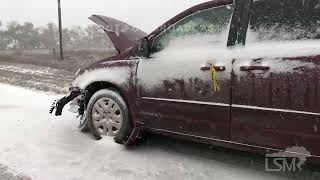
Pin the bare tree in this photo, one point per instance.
(12, 33)
(27, 36)
(96, 37)
(49, 36)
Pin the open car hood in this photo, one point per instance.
(120, 33)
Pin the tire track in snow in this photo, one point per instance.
(35, 77)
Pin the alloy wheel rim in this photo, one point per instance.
(107, 116)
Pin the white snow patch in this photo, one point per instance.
(296, 151)
(45, 147)
(111, 74)
(30, 69)
(183, 58)
(171, 65)
(277, 49)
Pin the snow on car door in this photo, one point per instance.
(276, 92)
(185, 86)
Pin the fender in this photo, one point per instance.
(120, 73)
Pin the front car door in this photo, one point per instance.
(276, 82)
(178, 90)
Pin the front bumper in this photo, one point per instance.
(59, 104)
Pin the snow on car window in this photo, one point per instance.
(206, 22)
(292, 20)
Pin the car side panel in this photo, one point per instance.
(279, 110)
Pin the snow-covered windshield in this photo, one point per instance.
(293, 20)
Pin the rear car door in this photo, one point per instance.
(177, 90)
(276, 80)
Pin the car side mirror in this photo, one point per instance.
(143, 47)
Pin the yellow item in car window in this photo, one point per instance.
(214, 77)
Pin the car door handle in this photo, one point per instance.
(207, 67)
(252, 68)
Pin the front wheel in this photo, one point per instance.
(108, 115)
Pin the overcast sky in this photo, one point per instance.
(144, 14)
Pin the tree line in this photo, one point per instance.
(27, 36)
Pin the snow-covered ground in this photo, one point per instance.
(44, 147)
(35, 77)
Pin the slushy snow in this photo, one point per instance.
(49, 148)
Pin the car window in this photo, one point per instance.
(211, 22)
(284, 20)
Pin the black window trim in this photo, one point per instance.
(244, 21)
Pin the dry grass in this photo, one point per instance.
(59, 80)
(74, 59)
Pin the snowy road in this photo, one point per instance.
(44, 147)
(36, 77)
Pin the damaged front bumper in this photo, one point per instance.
(76, 94)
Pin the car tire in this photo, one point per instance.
(108, 114)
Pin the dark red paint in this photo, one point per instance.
(257, 130)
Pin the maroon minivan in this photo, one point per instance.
(242, 74)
